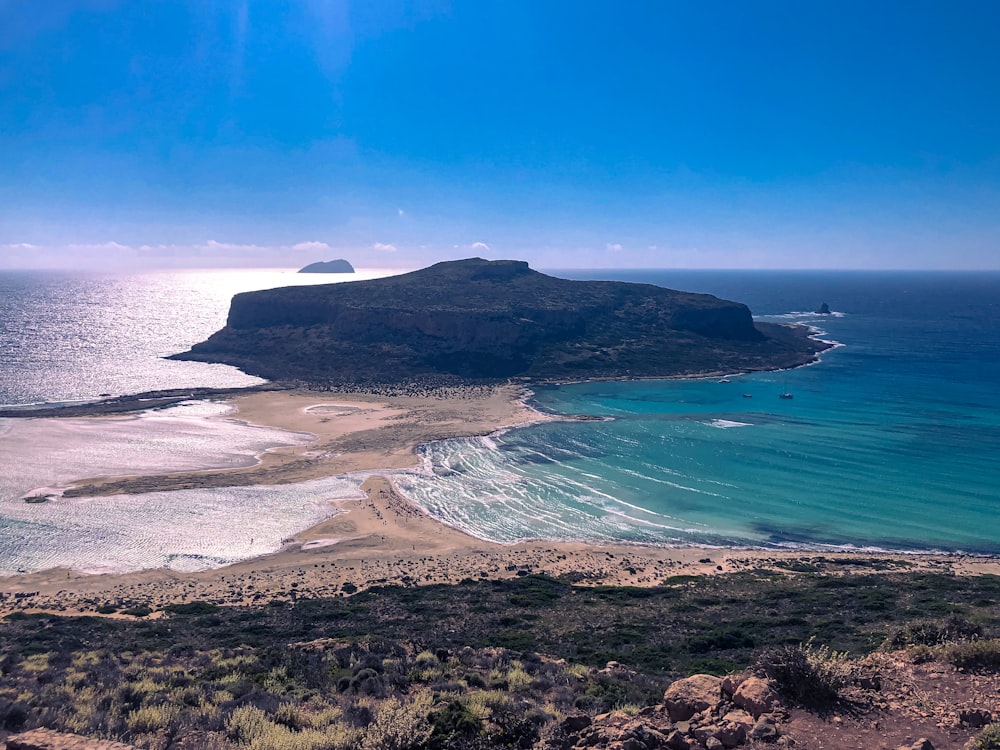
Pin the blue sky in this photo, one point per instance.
(694, 134)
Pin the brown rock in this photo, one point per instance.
(731, 734)
(676, 741)
(691, 695)
(704, 732)
(46, 739)
(975, 717)
(713, 743)
(647, 735)
(755, 696)
(731, 682)
(575, 722)
(739, 716)
(765, 730)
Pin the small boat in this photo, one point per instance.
(786, 395)
(747, 395)
(725, 380)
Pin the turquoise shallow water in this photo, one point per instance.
(891, 441)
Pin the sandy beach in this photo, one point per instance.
(384, 539)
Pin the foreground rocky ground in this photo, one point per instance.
(738, 661)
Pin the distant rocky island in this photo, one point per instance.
(479, 320)
(328, 266)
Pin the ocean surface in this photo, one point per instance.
(69, 337)
(73, 336)
(892, 441)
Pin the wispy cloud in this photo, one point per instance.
(614, 247)
(384, 247)
(311, 245)
(479, 246)
(401, 212)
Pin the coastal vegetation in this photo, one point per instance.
(478, 320)
(481, 664)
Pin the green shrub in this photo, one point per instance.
(934, 632)
(140, 611)
(399, 725)
(192, 608)
(812, 677)
(975, 656)
(988, 739)
(246, 724)
(149, 719)
(453, 726)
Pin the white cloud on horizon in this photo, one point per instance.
(614, 247)
(311, 245)
(479, 246)
(384, 247)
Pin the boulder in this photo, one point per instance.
(975, 717)
(755, 696)
(765, 730)
(731, 682)
(575, 722)
(692, 695)
(46, 739)
(727, 733)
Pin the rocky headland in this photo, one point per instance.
(477, 320)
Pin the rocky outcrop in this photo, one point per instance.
(755, 696)
(488, 320)
(692, 695)
(697, 713)
(46, 739)
(328, 266)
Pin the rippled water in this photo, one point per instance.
(184, 530)
(891, 441)
(73, 336)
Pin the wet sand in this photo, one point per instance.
(383, 538)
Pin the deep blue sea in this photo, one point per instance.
(891, 441)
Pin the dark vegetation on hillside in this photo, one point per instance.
(485, 664)
(477, 320)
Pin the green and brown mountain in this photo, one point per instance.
(478, 320)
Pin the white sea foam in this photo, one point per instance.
(725, 424)
(182, 530)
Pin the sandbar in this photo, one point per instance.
(384, 539)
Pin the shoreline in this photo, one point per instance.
(364, 543)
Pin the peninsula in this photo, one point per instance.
(484, 321)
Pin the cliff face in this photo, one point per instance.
(477, 319)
